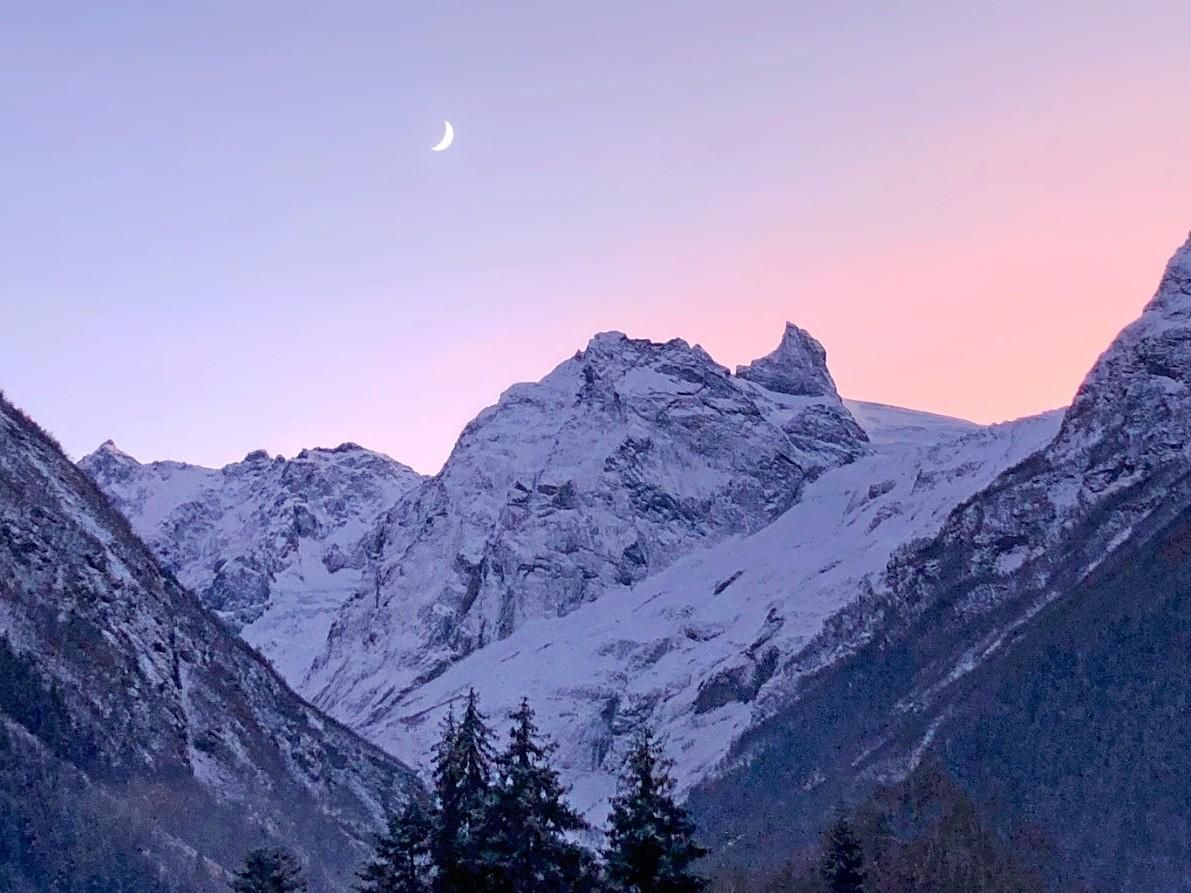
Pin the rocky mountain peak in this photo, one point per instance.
(617, 350)
(1174, 293)
(109, 452)
(798, 367)
(629, 455)
(1132, 403)
(608, 341)
(108, 462)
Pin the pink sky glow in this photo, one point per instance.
(963, 203)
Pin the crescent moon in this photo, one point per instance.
(448, 137)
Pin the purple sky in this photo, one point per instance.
(221, 227)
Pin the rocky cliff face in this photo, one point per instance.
(798, 368)
(1037, 643)
(579, 487)
(274, 546)
(142, 743)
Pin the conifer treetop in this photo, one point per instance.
(651, 846)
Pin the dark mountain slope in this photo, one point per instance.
(1085, 728)
(1079, 725)
(139, 738)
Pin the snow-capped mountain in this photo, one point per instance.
(802, 595)
(508, 572)
(579, 487)
(1037, 644)
(273, 545)
(698, 650)
(142, 745)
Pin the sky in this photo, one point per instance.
(222, 229)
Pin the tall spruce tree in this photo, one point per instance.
(269, 871)
(528, 819)
(402, 860)
(843, 859)
(462, 773)
(651, 845)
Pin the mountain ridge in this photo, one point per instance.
(273, 545)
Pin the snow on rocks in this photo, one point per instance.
(701, 649)
(274, 546)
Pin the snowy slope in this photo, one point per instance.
(700, 649)
(274, 546)
(579, 487)
(158, 744)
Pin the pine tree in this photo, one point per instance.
(462, 773)
(473, 746)
(651, 843)
(527, 819)
(269, 871)
(843, 859)
(444, 832)
(402, 861)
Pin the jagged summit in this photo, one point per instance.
(1172, 301)
(109, 452)
(1132, 401)
(1170, 306)
(798, 367)
(1176, 282)
(614, 344)
(611, 340)
(110, 462)
(345, 448)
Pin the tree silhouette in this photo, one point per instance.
(269, 871)
(651, 845)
